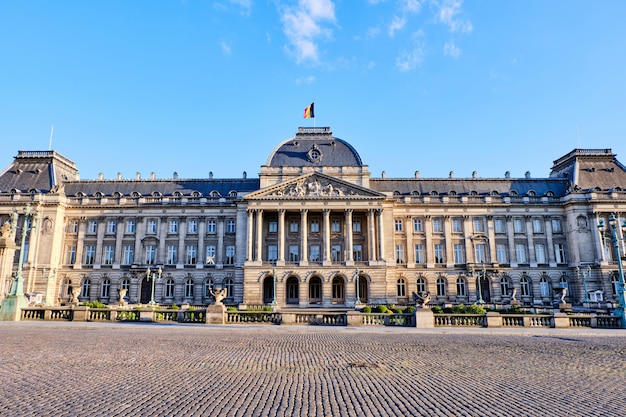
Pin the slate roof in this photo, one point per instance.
(589, 169)
(334, 151)
(36, 170)
(467, 186)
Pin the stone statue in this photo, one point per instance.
(514, 295)
(563, 294)
(5, 230)
(123, 292)
(74, 293)
(219, 295)
(422, 300)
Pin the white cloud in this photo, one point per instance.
(306, 80)
(411, 59)
(245, 5)
(411, 6)
(302, 24)
(226, 48)
(451, 49)
(396, 24)
(447, 15)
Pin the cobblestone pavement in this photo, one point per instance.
(86, 369)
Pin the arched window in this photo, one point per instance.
(396, 194)
(421, 286)
(513, 192)
(544, 287)
(441, 287)
(105, 288)
(189, 286)
(434, 193)
(125, 285)
(208, 286)
(460, 287)
(229, 284)
(531, 193)
(169, 288)
(505, 285)
(84, 293)
(524, 283)
(401, 287)
(563, 282)
(615, 284)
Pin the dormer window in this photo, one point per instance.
(531, 193)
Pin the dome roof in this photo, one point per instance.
(314, 147)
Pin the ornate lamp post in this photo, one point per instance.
(274, 302)
(358, 298)
(15, 300)
(480, 291)
(621, 290)
(586, 274)
(158, 274)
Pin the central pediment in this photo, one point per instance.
(314, 185)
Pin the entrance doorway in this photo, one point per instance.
(293, 288)
(146, 291)
(268, 290)
(338, 291)
(315, 290)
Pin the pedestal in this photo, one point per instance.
(424, 318)
(12, 307)
(216, 314)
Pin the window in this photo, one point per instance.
(356, 226)
(439, 253)
(84, 292)
(70, 257)
(540, 253)
(559, 253)
(615, 284)
(419, 253)
(230, 254)
(357, 253)
(173, 226)
(401, 288)
(314, 253)
(315, 226)
(525, 286)
(336, 253)
(457, 225)
(211, 226)
(501, 253)
(399, 254)
(192, 226)
(73, 227)
(169, 288)
(294, 253)
(272, 253)
(544, 287)
(172, 257)
(128, 254)
(481, 253)
(293, 226)
(556, 226)
(417, 225)
(520, 253)
(498, 225)
(210, 255)
(460, 287)
(563, 282)
(273, 226)
(189, 287)
(125, 285)
(537, 225)
(518, 225)
(398, 225)
(111, 226)
(92, 226)
(335, 226)
(478, 225)
(441, 287)
(230, 226)
(437, 226)
(230, 288)
(130, 226)
(109, 253)
(105, 288)
(208, 286)
(421, 285)
(90, 254)
(150, 254)
(192, 251)
(152, 226)
(458, 254)
(504, 286)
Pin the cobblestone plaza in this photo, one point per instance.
(86, 369)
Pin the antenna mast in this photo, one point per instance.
(51, 133)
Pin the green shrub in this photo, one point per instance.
(410, 310)
(437, 309)
(174, 307)
(475, 309)
(231, 308)
(191, 309)
(95, 304)
(460, 309)
(367, 309)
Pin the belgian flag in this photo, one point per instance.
(309, 112)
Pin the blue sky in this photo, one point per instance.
(196, 86)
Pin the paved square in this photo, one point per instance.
(87, 369)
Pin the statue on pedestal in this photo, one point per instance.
(219, 295)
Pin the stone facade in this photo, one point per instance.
(315, 229)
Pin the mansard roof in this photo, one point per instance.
(314, 147)
(590, 169)
(314, 185)
(470, 186)
(37, 170)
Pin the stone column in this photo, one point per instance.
(491, 235)
(348, 238)
(200, 258)
(182, 253)
(250, 255)
(304, 259)
(220, 242)
(531, 241)
(430, 248)
(381, 235)
(371, 238)
(140, 231)
(410, 251)
(119, 236)
(327, 257)
(447, 233)
(80, 243)
(469, 244)
(510, 234)
(163, 228)
(259, 235)
(548, 227)
(280, 261)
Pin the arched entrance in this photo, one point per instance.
(338, 291)
(363, 292)
(293, 288)
(485, 289)
(146, 291)
(268, 290)
(315, 290)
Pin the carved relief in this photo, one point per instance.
(312, 187)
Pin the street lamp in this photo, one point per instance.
(15, 300)
(274, 302)
(586, 274)
(480, 291)
(621, 290)
(358, 299)
(158, 274)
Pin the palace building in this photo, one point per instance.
(315, 229)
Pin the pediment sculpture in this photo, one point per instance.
(313, 187)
